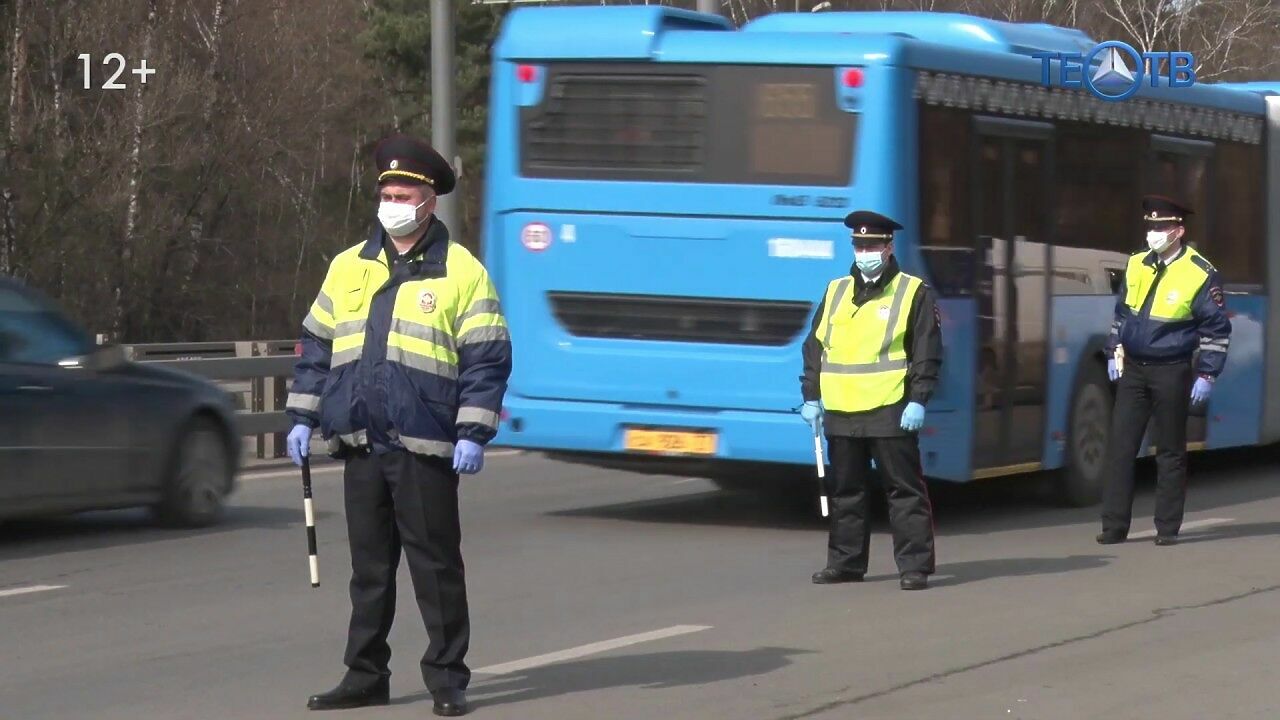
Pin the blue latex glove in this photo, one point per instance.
(812, 411)
(299, 443)
(913, 417)
(468, 457)
(1112, 371)
(1200, 391)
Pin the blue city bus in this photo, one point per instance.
(664, 205)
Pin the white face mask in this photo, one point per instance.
(1159, 241)
(399, 219)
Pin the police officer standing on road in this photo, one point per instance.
(1171, 305)
(871, 362)
(405, 361)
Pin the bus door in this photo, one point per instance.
(1011, 209)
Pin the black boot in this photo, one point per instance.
(353, 694)
(1166, 540)
(1110, 537)
(450, 703)
(831, 576)
(913, 581)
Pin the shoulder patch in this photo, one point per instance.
(937, 316)
(1215, 294)
(1203, 264)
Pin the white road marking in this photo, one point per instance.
(592, 649)
(1207, 522)
(30, 589)
(686, 481)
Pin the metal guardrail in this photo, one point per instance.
(265, 365)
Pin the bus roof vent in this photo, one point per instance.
(595, 33)
(950, 29)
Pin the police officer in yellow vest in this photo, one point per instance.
(1170, 307)
(405, 360)
(871, 362)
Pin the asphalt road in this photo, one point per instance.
(705, 595)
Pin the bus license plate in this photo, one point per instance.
(673, 442)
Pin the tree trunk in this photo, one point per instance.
(200, 221)
(55, 45)
(197, 219)
(8, 199)
(120, 324)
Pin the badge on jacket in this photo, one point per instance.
(884, 312)
(1215, 294)
(427, 301)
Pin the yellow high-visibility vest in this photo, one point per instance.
(423, 328)
(1178, 287)
(864, 354)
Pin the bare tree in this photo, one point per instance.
(135, 181)
(192, 225)
(1229, 36)
(1213, 30)
(1148, 22)
(8, 211)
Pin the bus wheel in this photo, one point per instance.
(1080, 483)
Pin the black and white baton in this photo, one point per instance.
(822, 472)
(311, 521)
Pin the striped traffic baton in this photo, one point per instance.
(311, 521)
(822, 473)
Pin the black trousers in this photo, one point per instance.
(396, 500)
(1161, 394)
(910, 513)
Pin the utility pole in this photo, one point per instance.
(443, 109)
(709, 6)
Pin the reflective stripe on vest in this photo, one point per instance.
(421, 334)
(1174, 290)
(864, 358)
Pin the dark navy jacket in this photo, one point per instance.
(403, 351)
(1168, 313)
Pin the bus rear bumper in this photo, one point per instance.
(600, 428)
(594, 433)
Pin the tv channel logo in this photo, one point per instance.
(1112, 76)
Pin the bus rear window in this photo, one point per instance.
(708, 124)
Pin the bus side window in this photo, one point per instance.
(1236, 243)
(946, 242)
(1117, 278)
(1098, 188)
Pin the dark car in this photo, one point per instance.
(83, 428)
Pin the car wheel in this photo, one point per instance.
(199, 477)
(1080, 483)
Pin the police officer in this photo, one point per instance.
(1170, 306)
(405, 360)
(871, 362)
